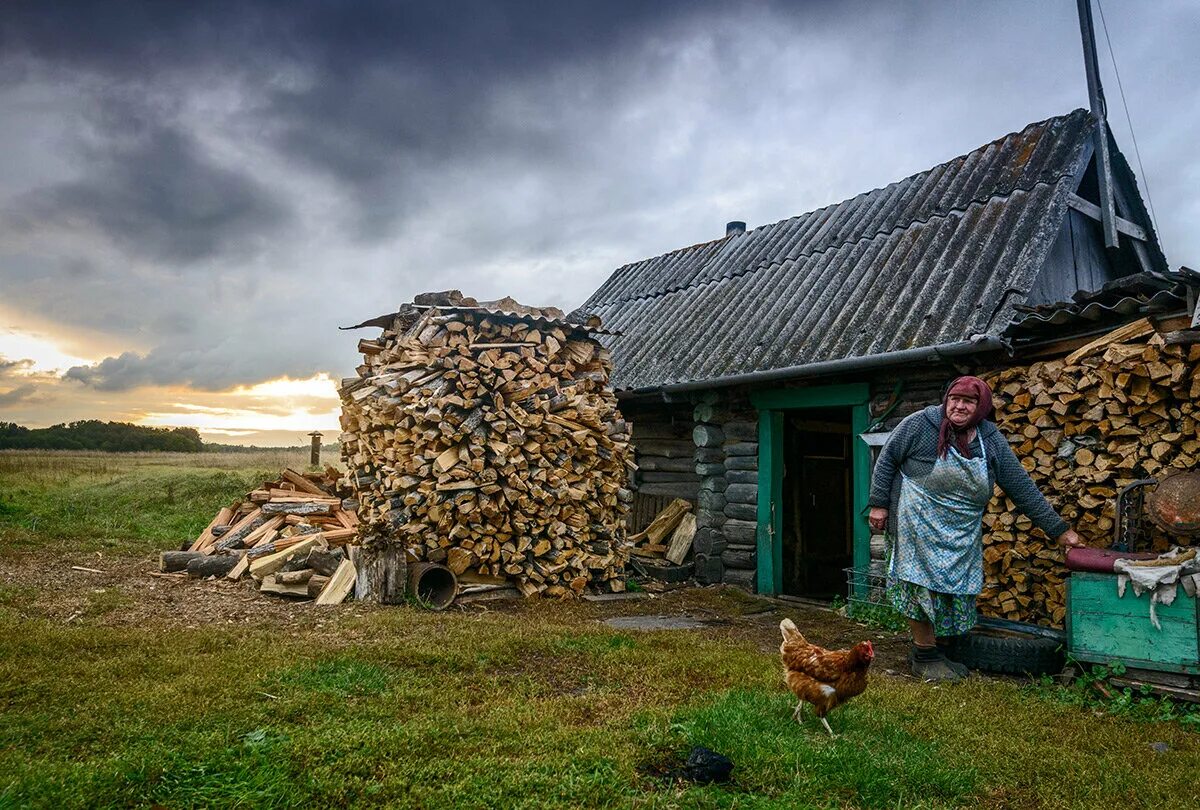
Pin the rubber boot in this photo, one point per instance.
(945, 646)
(930, 666)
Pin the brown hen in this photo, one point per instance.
(822, 678)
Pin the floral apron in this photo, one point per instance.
(939, 546)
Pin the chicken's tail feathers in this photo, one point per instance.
(790, 631)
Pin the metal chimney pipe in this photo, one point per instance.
(735, 228)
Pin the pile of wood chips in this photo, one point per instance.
(291, 536)
(486, 437)
(1120, 409)
(668, 538)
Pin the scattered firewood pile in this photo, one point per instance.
(664, 545)
(290, 536)
(1120, 409)
(486, 437)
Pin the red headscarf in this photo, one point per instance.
(966, 387)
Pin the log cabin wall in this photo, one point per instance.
(665, 455)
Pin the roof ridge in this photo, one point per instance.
(875, 190)
(960, 211)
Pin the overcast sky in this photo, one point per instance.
(193, 196)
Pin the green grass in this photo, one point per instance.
(530, 705)
(137, 502)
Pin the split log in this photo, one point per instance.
(271, 584)
(665, 521)
(294, 577)
(316, 584)
(339, 585)
(681, 540)
(273, 562)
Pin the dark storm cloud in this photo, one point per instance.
(376, 95)
(158, 195)
(198, 366)
(223, 183)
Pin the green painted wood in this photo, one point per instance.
(770, 405)
(820, 396)
(1103, 627)
(860, 459)
(770, 502)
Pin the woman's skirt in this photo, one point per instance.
(951, 614)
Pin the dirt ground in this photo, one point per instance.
(127, 593)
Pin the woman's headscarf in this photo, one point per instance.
(967, 387)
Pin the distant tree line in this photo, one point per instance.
(92, 434)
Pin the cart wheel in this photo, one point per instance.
(1011, 652)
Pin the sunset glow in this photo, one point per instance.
(46, 356)
(276, 405)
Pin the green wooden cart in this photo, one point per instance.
(1104, 628)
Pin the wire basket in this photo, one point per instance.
(866, 597)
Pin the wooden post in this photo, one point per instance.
(1108, 214)
(315, 457)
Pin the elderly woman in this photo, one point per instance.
(931, 485)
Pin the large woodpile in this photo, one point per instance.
(487, 438)
(1120, 409)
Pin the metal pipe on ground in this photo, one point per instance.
(432, 585)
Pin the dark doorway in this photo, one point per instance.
(817, 534)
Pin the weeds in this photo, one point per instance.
(1092, 689)
(879, 615)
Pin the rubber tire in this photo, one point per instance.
(1009, 652)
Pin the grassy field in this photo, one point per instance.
(128, 502)
(121, 690)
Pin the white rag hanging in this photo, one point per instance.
(1160, 576)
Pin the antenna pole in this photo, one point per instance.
(1108, 213)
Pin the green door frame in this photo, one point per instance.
(771, 404)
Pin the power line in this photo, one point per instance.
(1129, 119)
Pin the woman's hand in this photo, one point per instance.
(877, 518)
(1070, 540)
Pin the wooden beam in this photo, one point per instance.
(1092, 210)
(1108, 214)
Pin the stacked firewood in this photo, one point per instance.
(1120, 409)
(289, 535)
(487, 438)
(669, 536)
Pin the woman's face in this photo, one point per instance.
(960, 409)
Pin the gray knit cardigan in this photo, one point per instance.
(912, 449)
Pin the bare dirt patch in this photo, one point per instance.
(126, 593)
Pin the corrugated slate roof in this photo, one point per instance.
(1140, 294)
(931, 259)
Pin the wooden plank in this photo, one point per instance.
(820, 396)
(339, 585)
(1090, 209)
(681, 539)
(1130, 331)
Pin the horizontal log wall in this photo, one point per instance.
(665, 455)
